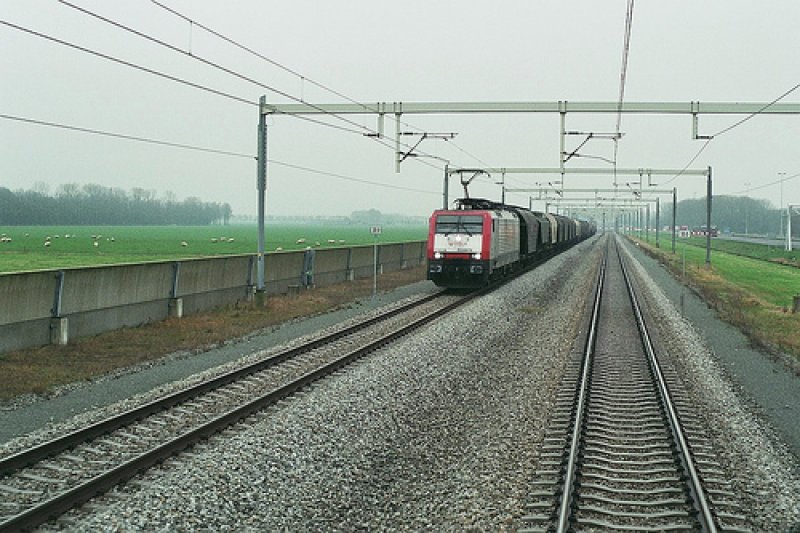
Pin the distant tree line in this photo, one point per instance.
(92, 204)
(373, 216)
(737, 214)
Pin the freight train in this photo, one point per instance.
(481, 240)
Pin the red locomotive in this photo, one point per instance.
(482, 240)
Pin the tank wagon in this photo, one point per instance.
(481, 240)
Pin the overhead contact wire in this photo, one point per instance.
(205, 61)
(128, 63)
(125, 136)
(622, 78)
(301, 76)
(204, 149)
(729, 128)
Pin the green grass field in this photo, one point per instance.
(763, 252)
(25, 248)
(768, 281)
(753, 294)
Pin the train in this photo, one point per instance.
(482, 240)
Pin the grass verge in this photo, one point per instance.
(39, 370)
(753, 295)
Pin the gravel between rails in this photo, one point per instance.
(439, 431)
(759, 464)
(31, 419)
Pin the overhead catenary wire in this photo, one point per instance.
(200, 59)
(729, 128)
(350, 178)
(184, 146)
(751, 115)
(687, 165)
(623, 75)
(367, 107)
(233, 42)
(173, 78)
(776, 182)
(155, 72)
(125, 136)
(235, 74)
(128, 63)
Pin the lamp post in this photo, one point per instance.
(746, 210)
(502, 184)
(780, 207)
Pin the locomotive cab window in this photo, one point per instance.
(470, 224)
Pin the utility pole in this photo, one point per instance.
(446, 184)
(674, 216)
(780, 207)
(708, 218)
(261, 186)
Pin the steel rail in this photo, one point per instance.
(100, 484)
(57, 445)
(56, 506)
(694, 484)
(568, 491)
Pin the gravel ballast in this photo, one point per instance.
(758, 463)
(439, 431)
(30, 413)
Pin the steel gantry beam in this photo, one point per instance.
(641, 191)
(541, 190)
(600, 171)
(691, 108)
(559, 106)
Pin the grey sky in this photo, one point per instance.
(375, 51)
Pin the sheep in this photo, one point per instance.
(300, 241)
(213, 239)
(231, 239)
(331, 241)
(95, 244)
(184, 244)
(279, 249)
(47, 243)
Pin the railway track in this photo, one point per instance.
(43, 482)
(625, 450)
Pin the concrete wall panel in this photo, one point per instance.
(99, 299)
(94, 322)
(89, 289)
(331, 260)
(362, 257)
(211, 274)
(413, 254)
(197, 303)
(283, 267)
(26, 296)
(20, 335)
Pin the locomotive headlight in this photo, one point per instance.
(437, 255)
(476, 256)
